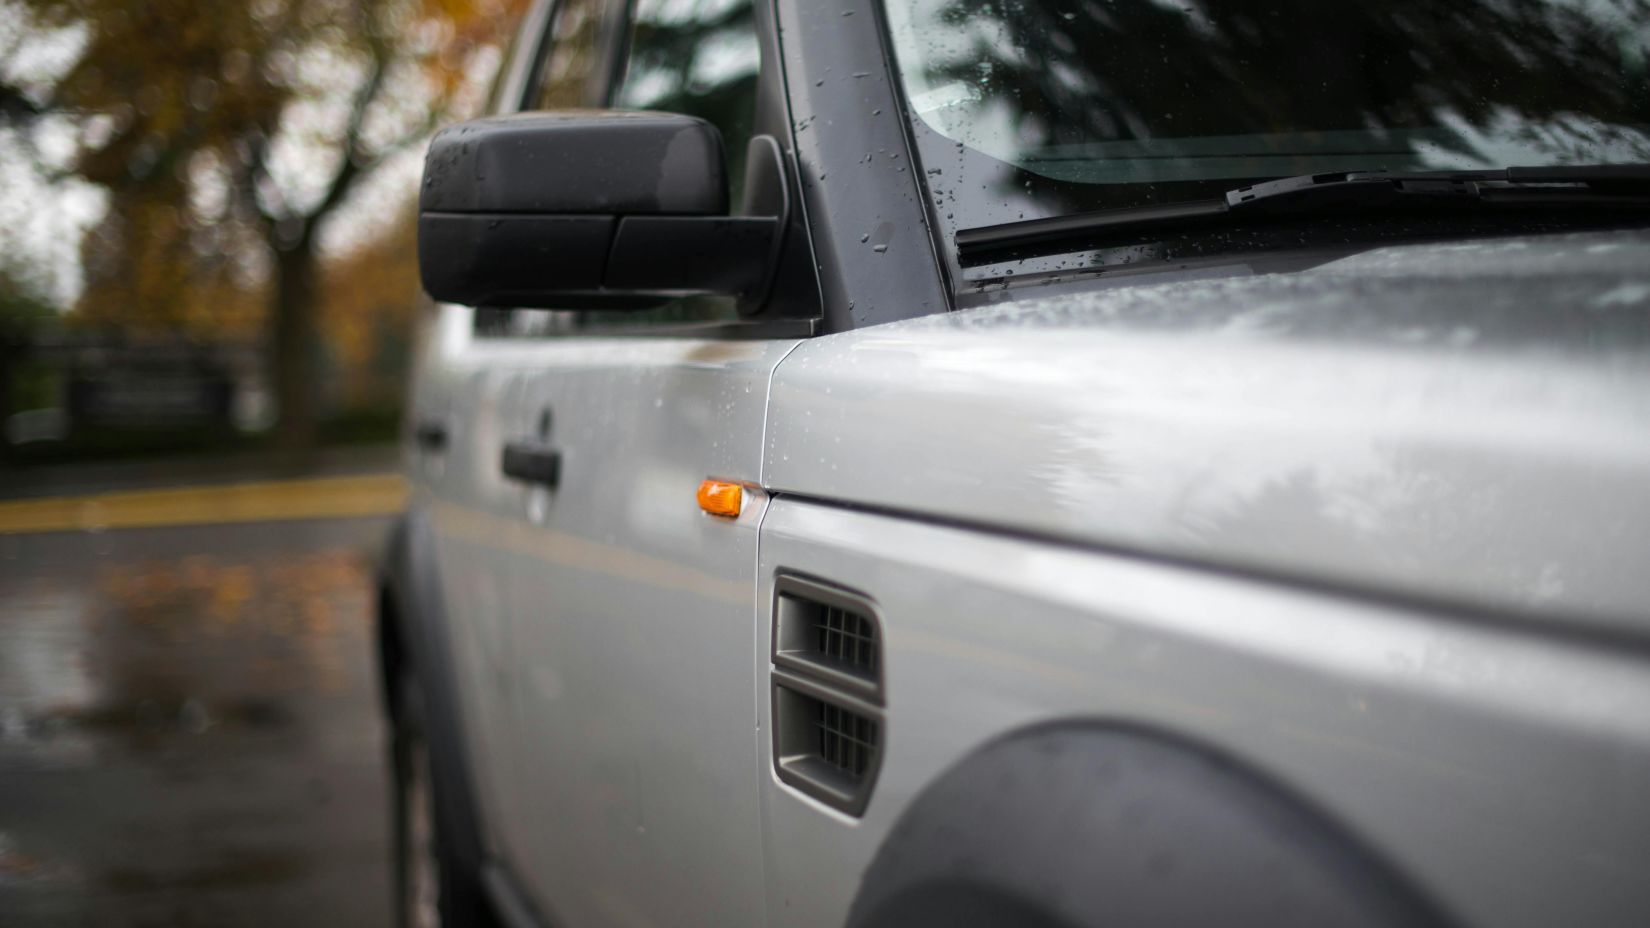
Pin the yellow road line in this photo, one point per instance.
(270, 501)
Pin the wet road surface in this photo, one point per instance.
(189, 727)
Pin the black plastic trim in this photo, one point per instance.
(745, 330)
(873, 251)
(504, 260)
(804, 771)
(510, 905)
(802, 660)
(787, 303)
(796, 674)
(531, 462)
(767, 192)
(794, 291)
(577, 162)
(692, 254)
(431, 435)
(1085, 824)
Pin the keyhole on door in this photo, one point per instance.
(544, 425)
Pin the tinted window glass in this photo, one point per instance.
(519, 45)
(700, 58)
(1052, 106)
(568, 78)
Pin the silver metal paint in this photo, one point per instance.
(1464, 422)
(611, 620)
(632, 620)
(1443, 425)
(1503, 772)
(467, 384)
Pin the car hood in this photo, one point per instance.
(1467, 424)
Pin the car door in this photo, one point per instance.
(633, 611)
(464, 383)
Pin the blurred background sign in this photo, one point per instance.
(147, 386)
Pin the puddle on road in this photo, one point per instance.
(192, 646)
(190, 740)
(19, 867)
(232, 870)
(169, 716)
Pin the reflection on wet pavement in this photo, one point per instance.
(189, 729)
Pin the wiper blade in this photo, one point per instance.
(1355, 192)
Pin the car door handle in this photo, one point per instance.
(531, 462)
(431, 435)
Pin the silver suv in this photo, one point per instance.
(1034, 462)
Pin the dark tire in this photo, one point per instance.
(432, 888)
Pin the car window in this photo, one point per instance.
(501, 79)
(570, 76)
(699, 58)
(1035, 108)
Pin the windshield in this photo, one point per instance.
(1030, 108)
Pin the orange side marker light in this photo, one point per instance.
(721, 499)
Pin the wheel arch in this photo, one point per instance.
(1084, 823)
(388, 634)
(413, 637)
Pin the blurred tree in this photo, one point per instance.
(228, 134)
(368, 298)
(1142, 69)
(24, 313)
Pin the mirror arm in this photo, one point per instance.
(767, 193)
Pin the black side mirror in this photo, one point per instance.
(587, 209)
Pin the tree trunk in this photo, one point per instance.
(293, 353)
(9, 356)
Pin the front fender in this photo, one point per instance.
(1085, 824)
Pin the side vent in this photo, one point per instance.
(827, 634)
(827, 692)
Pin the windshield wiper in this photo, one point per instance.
(1356, 192)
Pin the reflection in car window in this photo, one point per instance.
(568, 79)
(700, 58)
(1104, 103)
(520, 45)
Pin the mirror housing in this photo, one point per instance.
(587, 209)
